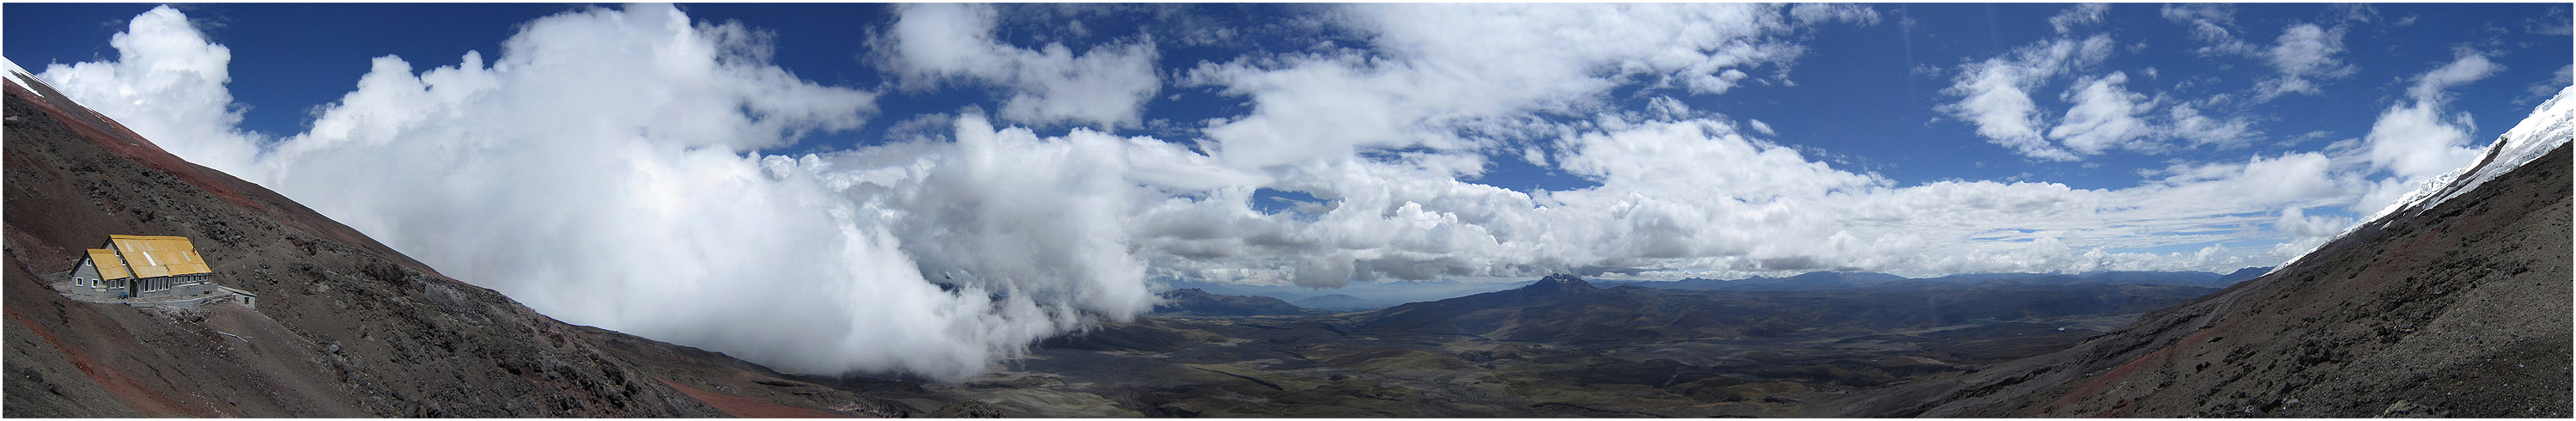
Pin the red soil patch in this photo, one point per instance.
(747, 407)
(117, 382)
(2160, 356)
(116, 138)
(32, 249)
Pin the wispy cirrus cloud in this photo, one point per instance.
(2302, 57)
(2080, 15)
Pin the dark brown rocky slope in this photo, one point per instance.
(2461, 310)
(344, 327)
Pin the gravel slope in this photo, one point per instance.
(2458, 311)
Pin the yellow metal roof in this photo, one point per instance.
(108, 266)
(157, 256)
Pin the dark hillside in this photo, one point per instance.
(2461, 310)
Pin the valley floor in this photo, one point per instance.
(1311, 366)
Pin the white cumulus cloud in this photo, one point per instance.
(165, 64)
(1439, 69)
(2101, 113)
(2186, 122)
(2105, 116)
(1106, 86)
(2419, 138)
(2304, 53)
(1994, 94)
(2297, 223)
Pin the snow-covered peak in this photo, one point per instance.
(25, 78)
(2551, 124)
(2548, 126)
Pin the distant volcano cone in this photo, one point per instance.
(1559, 284)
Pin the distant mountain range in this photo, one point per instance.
(1568, 310)
(1832, 280)
(1341, 302)
(1372, 296)
(1193, 301)
(1353, 297)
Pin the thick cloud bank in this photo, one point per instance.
(597, 170)
(607, 167)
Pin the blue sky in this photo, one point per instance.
(1862, 100)
(1072, 158)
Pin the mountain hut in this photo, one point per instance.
(135, 266)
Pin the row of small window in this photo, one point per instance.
(149, 285)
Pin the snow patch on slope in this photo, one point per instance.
(20, 74)
(2551, 124)
(2546, 128)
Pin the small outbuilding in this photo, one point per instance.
(140, 266)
